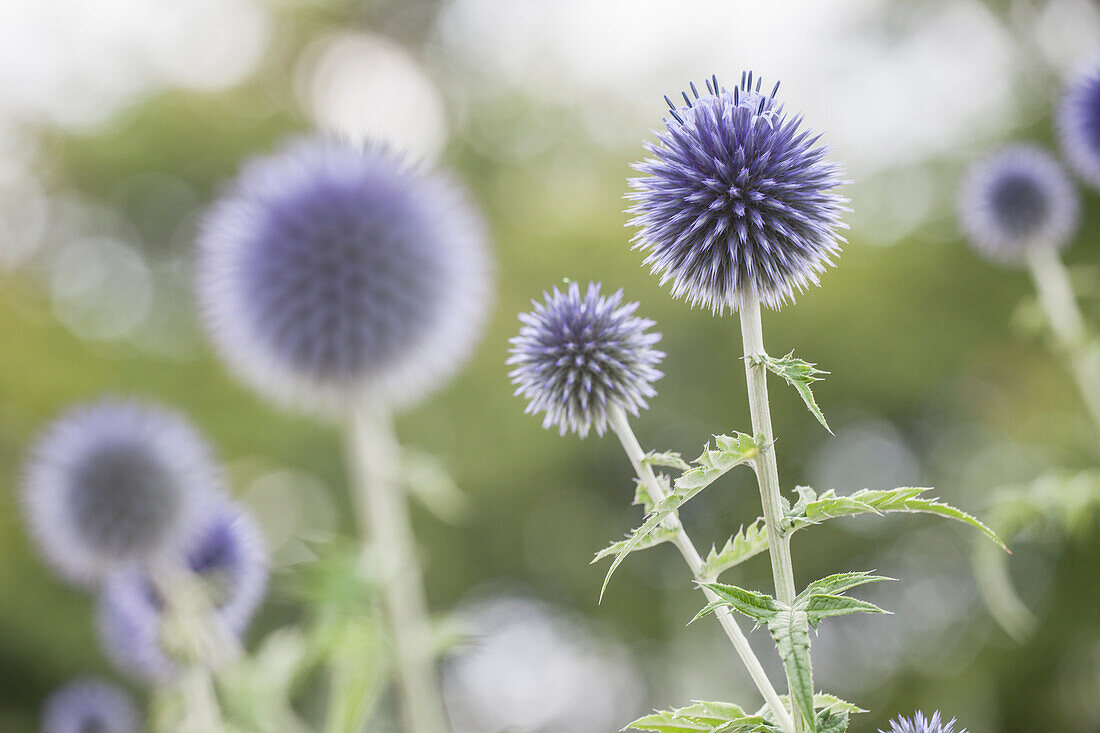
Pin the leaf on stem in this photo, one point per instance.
(728, 452)
(749, 541)
(704, 717)
(800, 375)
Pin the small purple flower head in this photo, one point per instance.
(89, 706)
(737, 200)
(1015, 201)
(920, 724)
(114, 483)
(329, 267)
(226, 553)
(576, 356)
(1079, 125)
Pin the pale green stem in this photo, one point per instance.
(621, 427)
(201, 712)
(1056, 296)
(767, 473)
(383, 515)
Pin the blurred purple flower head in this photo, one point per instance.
(227, 554)
(89, 706)
(1079, 125)
(1015, 201)
(576, 356)
(736, 200)
(114, 483)
(330, 267)
(919, 724)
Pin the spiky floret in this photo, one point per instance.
(226, 553)
(114, 483)
(737, 199)
(1016, 200)
(89, 705)
(1079, 125)
(330, 268)
(577, 355)
(920, 724)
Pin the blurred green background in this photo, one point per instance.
(119, 122)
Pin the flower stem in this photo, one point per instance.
(621, 427)
(1056, 295)
(383, 516)
(201, 711)
(767, 473)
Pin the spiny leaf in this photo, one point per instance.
(831, 722)
(656, 537)
(800, 375)
(821, 606)
(748, 542)
(757, 606)
(790, 629)
(706, 717)
(729, 451)
(823, 701)
(666, 460)
(839, 583)
(879, 501)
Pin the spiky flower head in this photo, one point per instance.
(1079, 125)
(89, 705)
(1015, 201)
(330, 268)
(578, 355)
(737, 200)
(920, 724)
(114, 483)
(226, 553)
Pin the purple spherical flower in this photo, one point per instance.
(1015, 201)
(738, 200)
(330, 267)
(576, 356)
(919, 724)
(89, 706)
(1079, 125)
(114, 483)
(226, 553)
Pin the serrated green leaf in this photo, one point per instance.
(729, 452)
(881, 501)
(822, 701)
(666, 460)
(821, 606)
(831, 722)
(839, 583)
(749, 541)
(800, 375)
(757, 606)
(790, 629)
(656, 537)
(704, 717)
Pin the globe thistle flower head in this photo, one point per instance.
(737, 200)
(1015, 201)
(89, 705)
(114, 483)
(225, 553)
(920, 724)
(1079, 125)
(578, 355)
(329, 268)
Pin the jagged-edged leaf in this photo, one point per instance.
(790, 629)
(749, 541)
(822, 606)
(757, 606)
(729, 451)
(839, 583)
(878, 501)
(829, 721)
(705, 717)
(800, 375)
(656, 537)
(823, 701)
(666, 460)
